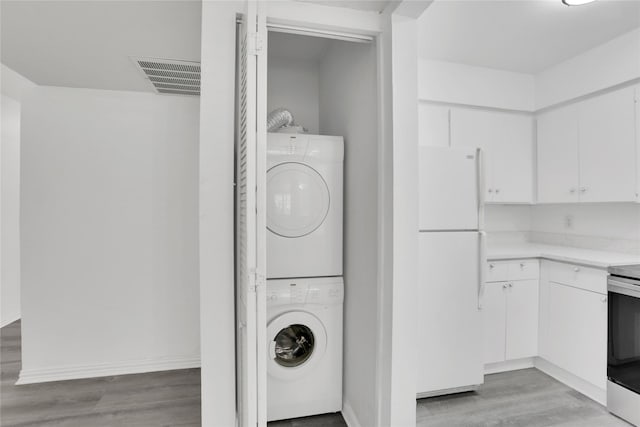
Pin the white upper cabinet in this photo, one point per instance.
(587, 151)
(433, 122)
(558, 169)
(507, 143)
(606, 126)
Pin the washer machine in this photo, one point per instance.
(304, 362)
(304, 205)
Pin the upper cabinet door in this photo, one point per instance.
(433, 125)
(607, 152)
(507, 142)
(558, 168)
(512, 157)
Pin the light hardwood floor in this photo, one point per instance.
(169, 398)
(526, 398)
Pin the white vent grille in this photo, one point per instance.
(170, 76)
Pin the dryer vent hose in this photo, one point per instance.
(278, 118)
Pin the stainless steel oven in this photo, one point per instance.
(623, 355)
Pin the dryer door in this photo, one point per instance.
(297, 200)
(297, 341)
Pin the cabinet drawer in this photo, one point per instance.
(497, 272)
(590, 279)
(502, 271)
(524, 270)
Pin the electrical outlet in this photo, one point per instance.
(568, 222)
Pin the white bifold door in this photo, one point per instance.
(251, 136)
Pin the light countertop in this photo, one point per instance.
(593, 258)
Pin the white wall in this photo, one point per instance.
(606, 226)
(401, 306)
(478, 86)
(293, 84)
(599, 226)
(109, 233)
(10, 214)
(609, 64)
(507, 218)
(348, 104)
(217, 298)
(13, 86)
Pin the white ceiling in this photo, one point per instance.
(526, 36)
(366, 5)
(88, 43)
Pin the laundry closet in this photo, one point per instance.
(322, 189)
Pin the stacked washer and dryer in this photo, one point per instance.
(304, 270)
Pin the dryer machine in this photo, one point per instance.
(304, 205)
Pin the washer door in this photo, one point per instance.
(297, 342)
(297, 200)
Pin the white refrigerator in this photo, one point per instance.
(449, 329)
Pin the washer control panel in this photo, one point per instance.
(304, 291)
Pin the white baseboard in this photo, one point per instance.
(62, 373)
(349, 416)
(591, 391)
(10, 320)
(509, 365)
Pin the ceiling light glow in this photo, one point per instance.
(576, 2)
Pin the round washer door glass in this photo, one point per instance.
(297, 199)
(293, 345)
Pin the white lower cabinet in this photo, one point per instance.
(510, 312)
(573, 314)
(522, 320)
(554, 310)
(494, 318)
(577, 332)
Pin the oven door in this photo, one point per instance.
(623, 360)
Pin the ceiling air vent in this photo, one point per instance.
(170, 76)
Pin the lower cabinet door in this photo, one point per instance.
(577, 332)
(522, 319)
(494, 319)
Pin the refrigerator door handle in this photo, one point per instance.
(481, 178)
(480, 183)
(482, 264)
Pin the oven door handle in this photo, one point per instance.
(619, 287)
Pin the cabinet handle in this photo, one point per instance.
(576, 269)
(490, 190)
(572, 191)
(491, 266)
(604, 299)
(505, 286)
(497, 190)
(522, 265)
(583, 190)
(511, 285)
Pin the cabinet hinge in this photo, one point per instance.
(256, 44)
(259, 281)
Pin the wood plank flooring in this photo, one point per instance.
(526, 398)
(170, 398)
